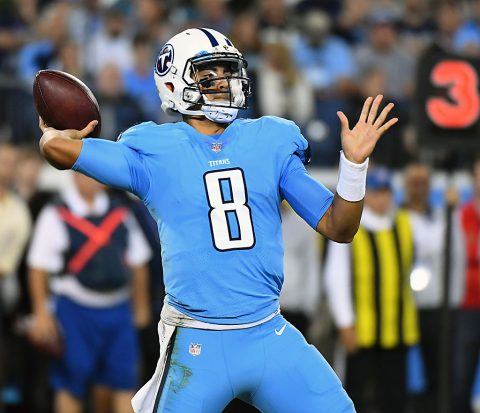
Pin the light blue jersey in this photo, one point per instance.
(217, 204)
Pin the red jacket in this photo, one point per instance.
(470, 221)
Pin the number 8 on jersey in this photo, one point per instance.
(230, 216)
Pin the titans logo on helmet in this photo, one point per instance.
(164, 60)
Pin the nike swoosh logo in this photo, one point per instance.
(280, 332)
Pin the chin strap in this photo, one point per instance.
(213, 113)
(219, 114)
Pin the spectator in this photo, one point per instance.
(31, 366)
(275, 20)
(138, 81)
(15, 222)
(467, 38)
(324, 60)
(85, 21)
(111, 45)
(372, 304)
(393, 151)
(17, 23)
(466, 345)
(351, 21)
(417, 26)
(52, 32)
(98, 254)
(383, 52)
(447, 20)
(214, 14)
(427, 276)
(117, 109)
(327, 65)
(281, 90)
(152, 20)
(14, 232)
(245, 34)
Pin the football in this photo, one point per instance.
(64, 102)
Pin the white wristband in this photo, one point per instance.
(352, 179)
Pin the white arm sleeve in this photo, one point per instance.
(49, 241)
(338, 283)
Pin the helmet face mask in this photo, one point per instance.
(196, 74)
(206, 80)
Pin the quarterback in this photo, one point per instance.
(214, 184)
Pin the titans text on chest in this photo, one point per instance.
(219, 162)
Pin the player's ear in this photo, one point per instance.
(170, 86)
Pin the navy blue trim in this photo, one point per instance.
(165, 372)
(210, 36)
(228, 41)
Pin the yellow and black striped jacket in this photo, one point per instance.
(383, 300)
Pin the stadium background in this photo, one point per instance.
(307, 59)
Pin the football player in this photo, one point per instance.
(214, 183)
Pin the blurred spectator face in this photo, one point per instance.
(114, 23)
(70, 59)
(316, 28)
(415, 6)
(143, 55)
(53, 22)
(379, 200)
(383, 36)
(355, 11)
(149, 11)
(27, 10)
(27, 171)
(417, 184)
(109, 81)
(244, 32)
(87, 187)
(214, 10)
(476, 9)
(448, 19)
(8, 160)
(476, 177)
(273, 12)
(373, 82)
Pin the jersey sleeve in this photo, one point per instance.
(309, 198)
(116, 164)
(293, 142)
(138, 249)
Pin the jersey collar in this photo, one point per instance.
(224, 138)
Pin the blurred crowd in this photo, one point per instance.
(307, 59)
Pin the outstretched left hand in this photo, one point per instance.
(358, 143)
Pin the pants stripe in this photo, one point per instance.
(165, 372)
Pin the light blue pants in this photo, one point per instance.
(270, 366)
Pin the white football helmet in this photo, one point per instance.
(182, 90)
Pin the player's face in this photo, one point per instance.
(213, 81)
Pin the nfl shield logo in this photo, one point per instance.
(195, 349)
(216, 146)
